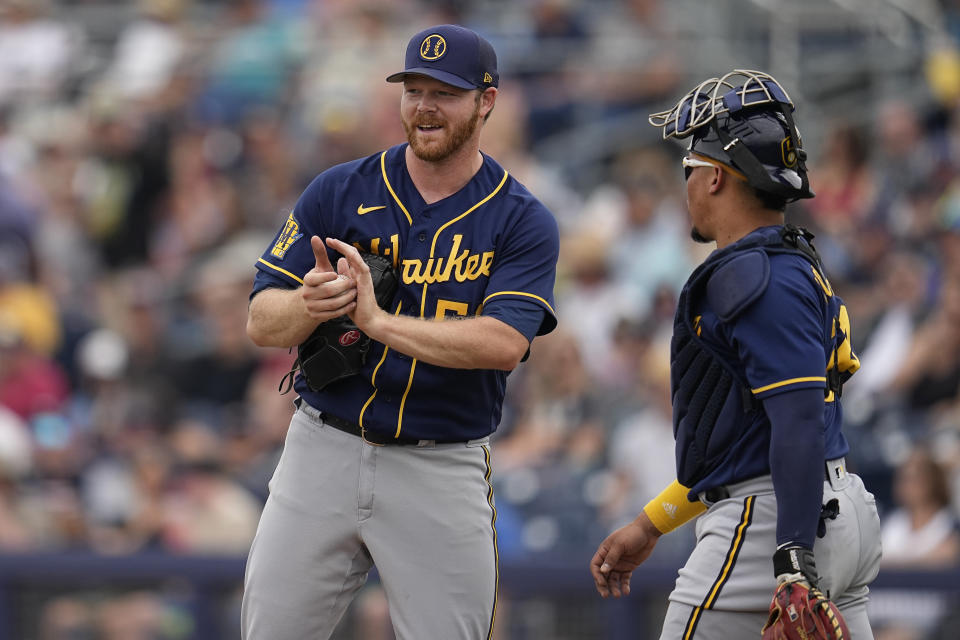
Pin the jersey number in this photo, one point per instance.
(843, 359)
(458, 308)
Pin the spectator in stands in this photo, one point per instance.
(66, 618)
(904, 158)
(556, 31)
(929, 377)
(16, 460)
(266, 175)
(584, 283)
(38, 53)
(846, 186)
(31, 383)
(921, 532)
(149, 50)
(555, 443)
(350, 43)
(200, 209)
(632, 60)
(212, 381)
(204, 510)
(250, 63)
(888, 318)
(649, 248)
(641, 445)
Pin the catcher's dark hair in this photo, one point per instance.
(770, 201)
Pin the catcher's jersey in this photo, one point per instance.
(791, 337)
(490, 249)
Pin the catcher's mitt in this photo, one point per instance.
(799, 610)
(337, 349)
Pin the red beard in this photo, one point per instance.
(454, 138)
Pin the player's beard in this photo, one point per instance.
(454, 139)
(698, 237)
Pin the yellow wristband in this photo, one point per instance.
(671, 508)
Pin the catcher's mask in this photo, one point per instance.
(745, 121)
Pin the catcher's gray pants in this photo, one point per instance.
(423, 514)
(725, 588)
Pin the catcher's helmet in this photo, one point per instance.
(744, 120)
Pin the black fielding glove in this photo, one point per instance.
(337, 349)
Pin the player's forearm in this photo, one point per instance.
(471, 343)
(278, 318)
(796, 463)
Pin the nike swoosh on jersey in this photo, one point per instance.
(362, 209)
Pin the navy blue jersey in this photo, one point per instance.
(788, 338)
(490, 249)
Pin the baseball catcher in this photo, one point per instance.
(760, 351)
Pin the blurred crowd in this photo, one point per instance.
(150, 150)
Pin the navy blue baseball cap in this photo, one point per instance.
(452, 54)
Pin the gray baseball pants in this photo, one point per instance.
(725, 588)
(424, 515)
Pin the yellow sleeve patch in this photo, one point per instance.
(289, 235)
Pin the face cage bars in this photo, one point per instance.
(734, 91)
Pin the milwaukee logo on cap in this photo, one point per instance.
(433, 47)
(451, 54)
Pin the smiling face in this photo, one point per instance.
(441, 119)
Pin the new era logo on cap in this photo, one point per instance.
(452, 54)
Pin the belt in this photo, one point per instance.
(355, 429)
(833, 470)
(378, 439)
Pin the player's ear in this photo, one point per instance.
(719, 180)
(488, 98)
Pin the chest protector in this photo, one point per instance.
(711, 398)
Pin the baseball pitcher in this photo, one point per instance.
(412, 282)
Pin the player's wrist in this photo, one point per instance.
(376, 325)
(793, 563)
(644, 522)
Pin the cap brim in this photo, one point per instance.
(436, 74)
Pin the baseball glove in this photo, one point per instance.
(799, 610)
(337, 349)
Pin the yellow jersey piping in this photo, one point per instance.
(519, 293)
(423, 296)
(403, 400)
(450, 222)
(413, 366)
(284, 271)
(383, 170)
(784, 383)
(373, 377)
